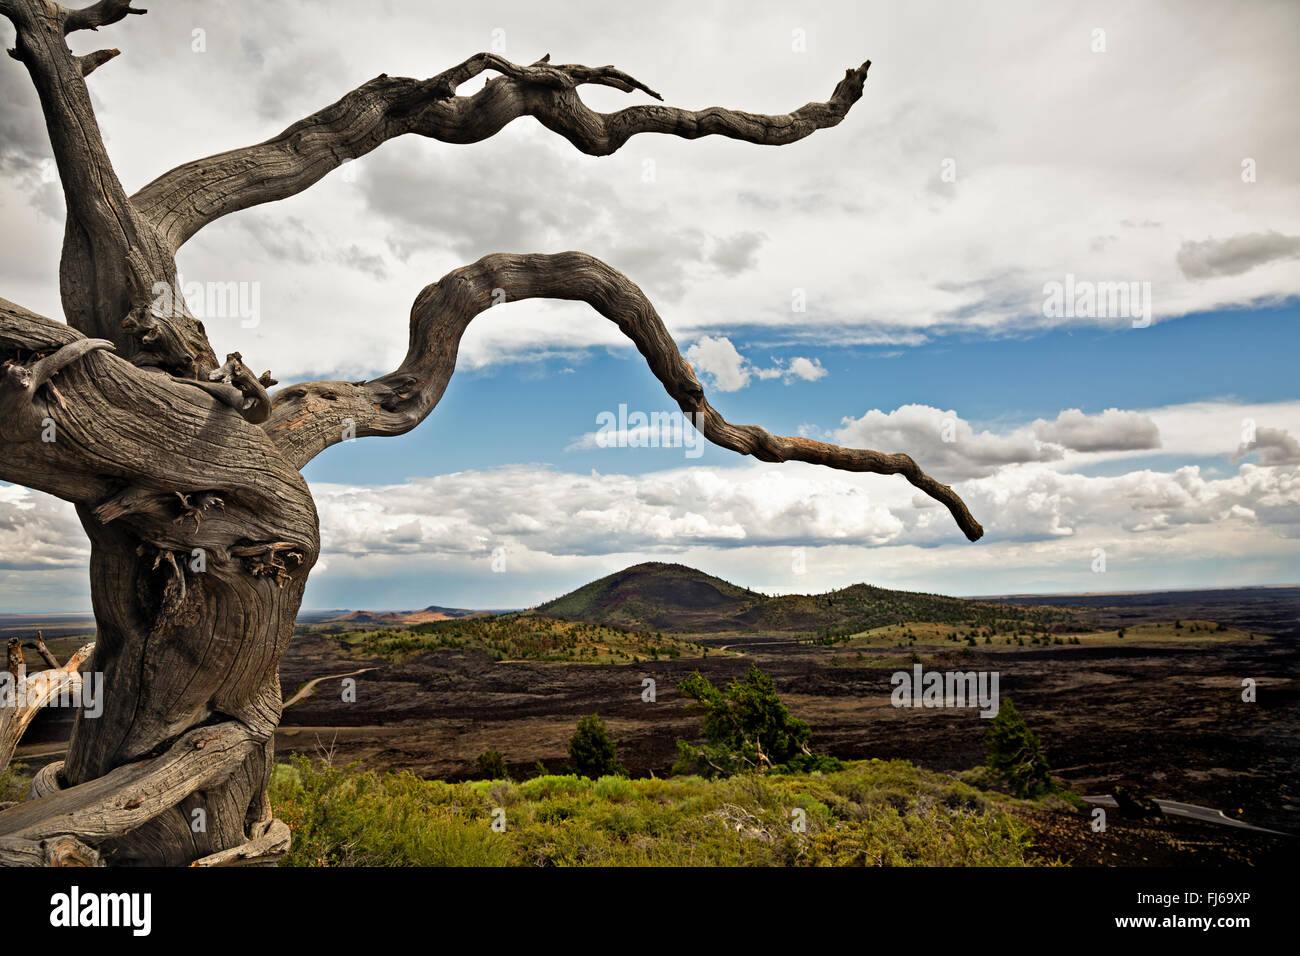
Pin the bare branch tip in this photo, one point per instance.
(93, 61)
(100, 14)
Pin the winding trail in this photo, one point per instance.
(307, 689)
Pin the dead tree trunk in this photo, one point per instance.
(185, 475)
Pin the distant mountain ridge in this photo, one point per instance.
(423, 616)
(674, 597)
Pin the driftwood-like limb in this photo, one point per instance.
(33, 692)
(235, 385)
(128, 796)
(59, 851)
(14, 660)
(98, 15)
(19, 385)
(543, 73)
(46, 781)
(181, 202)
(93, 61)
(309, 417)
(46, 655)
(265, 850)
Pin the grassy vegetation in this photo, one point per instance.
(872, 813)
(1009, 632)
(14, 783)
(525, 636)
(1182, 632)
(529, 636)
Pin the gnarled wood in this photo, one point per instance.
(265, 850)
(309, 417)
(181, 202)
(112, 256)
(133, 797)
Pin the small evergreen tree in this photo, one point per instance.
(492, 765)
(1015, 752)
(747, 727)
(592, 752)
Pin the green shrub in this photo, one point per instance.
(491, 765)
(1016, 754)
(14, 783)
(810, 763)
(746, 727)
(591, 752)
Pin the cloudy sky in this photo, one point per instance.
(898, 282)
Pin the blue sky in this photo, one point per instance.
(998, 149)
(529, 411)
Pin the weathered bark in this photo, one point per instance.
(112, 255)
(145, 799)
(178, 647)
(185, 475)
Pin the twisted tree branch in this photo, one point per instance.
(128, 796)
(110, 455)
(112, 256)
(181, 202)
(307, 418)
(235, 385)
(98, 15)
(93, 61)
(263, 850)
